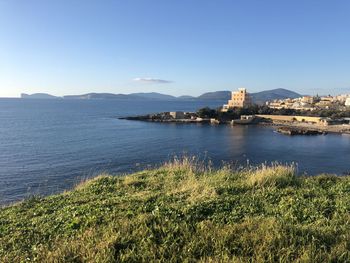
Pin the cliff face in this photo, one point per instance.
(185, 211)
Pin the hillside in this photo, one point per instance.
(224, 96)
(268, 95)
(258, 97)
(185, 212)
(153, 95)
(98, 96)
(38, 96)
(216, 95)
(132, 96)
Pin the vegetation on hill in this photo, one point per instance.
(185, 212)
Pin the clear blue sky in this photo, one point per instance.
(73, 47)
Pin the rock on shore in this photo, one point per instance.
(299, 131)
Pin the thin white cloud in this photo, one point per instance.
(152, 80)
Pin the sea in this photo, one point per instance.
(49, 146)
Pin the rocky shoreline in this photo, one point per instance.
(286, 128)
(308, 129)
(147, 119)
(299, 131)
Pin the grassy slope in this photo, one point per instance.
(182, 212)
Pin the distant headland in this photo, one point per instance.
(258, 97)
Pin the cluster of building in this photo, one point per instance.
(340, 102)
(241, 98)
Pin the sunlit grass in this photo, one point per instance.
(185, 211)
(275, 174)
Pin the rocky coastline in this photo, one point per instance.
(286, 128)
(299, 131)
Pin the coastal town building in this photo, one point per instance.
(342, 97)
(308, 99)
(289, 119)
(177, 114)
(239, 99)
(311, 103)
(347, 102)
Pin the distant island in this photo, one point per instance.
(38, 96)
(258, 97)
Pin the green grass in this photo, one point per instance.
(185, 212)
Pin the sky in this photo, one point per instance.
(182, 47)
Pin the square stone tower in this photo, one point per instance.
(239, 99)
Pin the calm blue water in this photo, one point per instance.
(47, 146)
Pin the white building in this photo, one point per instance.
(347, 102)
